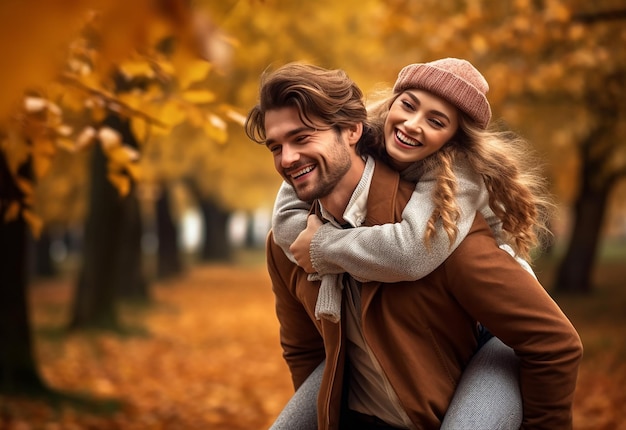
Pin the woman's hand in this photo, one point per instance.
(300, 247)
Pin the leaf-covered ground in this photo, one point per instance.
(205, 355)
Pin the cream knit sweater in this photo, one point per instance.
(388, 252)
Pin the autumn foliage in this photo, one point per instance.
(179, 76)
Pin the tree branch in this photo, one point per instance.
(615, 177)
(592, 18)
(71, 80)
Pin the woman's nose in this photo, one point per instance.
(413, 123)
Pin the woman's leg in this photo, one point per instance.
(300, 412)
(488, 395)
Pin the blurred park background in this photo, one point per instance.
(133, 208)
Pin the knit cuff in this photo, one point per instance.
(316, 246)
(328, 304)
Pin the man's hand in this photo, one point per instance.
(300, 247)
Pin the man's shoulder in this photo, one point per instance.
(383, 172)
(388, 195)
(479, 238)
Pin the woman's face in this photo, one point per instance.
(419, 123)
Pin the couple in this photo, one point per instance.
(407, 274)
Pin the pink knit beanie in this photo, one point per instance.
(455, 80)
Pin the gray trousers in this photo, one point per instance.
(487, 397)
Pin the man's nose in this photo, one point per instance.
(289, 155)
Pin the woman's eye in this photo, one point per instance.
(406, 104)
(437, 123)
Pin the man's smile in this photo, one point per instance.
(301, 172)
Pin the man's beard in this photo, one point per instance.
(327, 183)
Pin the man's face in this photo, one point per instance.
(312, 161)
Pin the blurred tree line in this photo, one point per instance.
(109, 109)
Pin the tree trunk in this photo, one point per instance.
(129, 276)
(216, 246)
(18, 370)
(112, 248)
(575, 271)
(168, 254)
(94, 303)
(42, 264)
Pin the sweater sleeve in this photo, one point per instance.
(288, 218)
(397, 252)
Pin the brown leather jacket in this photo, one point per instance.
(423, 332)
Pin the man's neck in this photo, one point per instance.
(337, 201)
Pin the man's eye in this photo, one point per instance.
(302, 138)
(274, 148)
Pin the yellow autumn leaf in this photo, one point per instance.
(576, 32)
(134, 170)
(166, 67)
(216, 129)
(556, 11)
(157, 31)
(172, 113)
(85, 138)
(63, 130)
(191, 70)
(233, 114)
(198, 96)
(109, 138)
(521, 24)
(133, 99)
(479, 44)
(153, 92)
(91, 81)
(66, 144)
(34, 222)
(12, 211)
(159, 130)
(41, 165)
(120, 182)
(28, 198)
(195, 116)
(16, 151)
(120, 156)
(98, 113)
(25, 185)
(216, 134)
(217, 122)
(43, 147)
(135, 68)
(139, 128)
(34, 104)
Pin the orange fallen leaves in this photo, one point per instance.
(211, 360)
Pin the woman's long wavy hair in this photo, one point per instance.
(510, 169)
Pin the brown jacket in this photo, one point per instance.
(423, 332)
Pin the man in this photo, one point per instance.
(396, 355)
